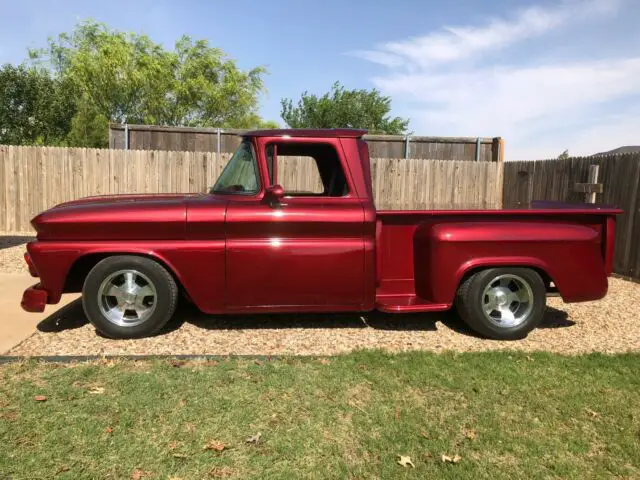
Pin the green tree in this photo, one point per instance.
(254, 121)
(564, 155)
(89, 128)
(35, 109)
(126, 77)
(343, 108)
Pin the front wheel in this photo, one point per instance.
(502, 303)
(129, 296)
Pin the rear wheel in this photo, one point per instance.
(129, 297)
(502, 303)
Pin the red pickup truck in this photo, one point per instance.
(249, 245)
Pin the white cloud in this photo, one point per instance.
(539, 107)
(512, 95)
(455, 43)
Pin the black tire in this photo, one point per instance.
(471, 301)
(164, 300)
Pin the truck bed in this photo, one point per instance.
(423, 255)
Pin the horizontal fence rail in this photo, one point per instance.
(33, 179)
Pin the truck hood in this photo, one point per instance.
(127, 198)
(118, 217)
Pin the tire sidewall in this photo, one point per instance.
(474, 303)
(156, 274)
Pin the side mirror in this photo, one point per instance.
(273, 194)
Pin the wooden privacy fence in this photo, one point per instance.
(187, 139)
(558, 180)
(33, 179)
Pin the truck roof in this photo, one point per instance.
(308, 132)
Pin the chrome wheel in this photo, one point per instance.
(507, 301)
(127, 298)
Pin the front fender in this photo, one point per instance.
(570, 254)
(198, 264)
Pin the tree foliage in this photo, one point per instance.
(126, 77)
(35, 109)
(341, 108)
(564, 155)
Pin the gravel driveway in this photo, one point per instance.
(12, 250)
(610, 325)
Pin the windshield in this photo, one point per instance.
(240, 175)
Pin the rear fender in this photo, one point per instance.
(570, 254)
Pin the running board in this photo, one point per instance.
(408, 304)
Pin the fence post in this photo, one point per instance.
(593, 179)
(218, 132)
(478, 145)
(126, 136)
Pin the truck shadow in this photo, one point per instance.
(72, 316)
(553, 318)
(9, 241)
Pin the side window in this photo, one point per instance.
(299, 175)
(312, 170)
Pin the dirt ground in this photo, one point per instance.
(610, 325)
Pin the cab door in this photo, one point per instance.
(305, 251)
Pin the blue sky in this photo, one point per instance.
(545, 75)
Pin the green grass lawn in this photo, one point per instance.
(506, 415)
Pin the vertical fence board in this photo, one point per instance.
(35, 178)
(4, 205)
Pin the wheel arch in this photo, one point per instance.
(472, 268)
(82, 265)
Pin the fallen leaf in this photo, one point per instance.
(470, 434)
(62, 469)
(40, 398)
(405, 461)
(254, 439)
(108, 429)
(96, 391)
(530, 358)
(428, 455)
(592, 413)
(397, 414)
(173, 445)
(257, 362)
(324, 361)
(179, 455)
(424, 434)
(447, 459)
(176, 363)
(214, 445)
(138, 474)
